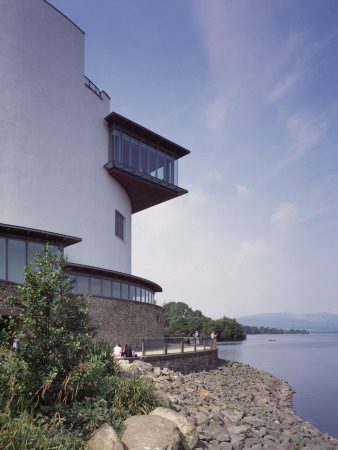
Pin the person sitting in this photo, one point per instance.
(126, 351)
(117, 350)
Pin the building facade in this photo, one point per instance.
(72, 172)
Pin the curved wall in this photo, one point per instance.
(54, 138)
(121, 320)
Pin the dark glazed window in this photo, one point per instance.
(116, 289)
(116, 145)
(119, 225)
(135, 153)
(106, 288)
(16, 260)
(3, 258)
(126, 150)
(124, 291)
(34, 248)
(95, 286)
(82, 285)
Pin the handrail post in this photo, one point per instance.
(205, 343)
(195, 341)
(165, 346)
(182, 345)
(143, 348)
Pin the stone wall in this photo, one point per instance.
(121, 320)
(126, 321)
(10, 288)
(185, 362)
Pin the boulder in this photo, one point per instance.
(189, 434)
(150, 432)
(104, 438)
(143, 367)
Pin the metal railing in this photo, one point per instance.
(172, 345)
(92, 86)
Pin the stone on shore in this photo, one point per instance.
(150, 432)
(104, 438)
(189, 434)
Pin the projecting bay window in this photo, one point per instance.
(119, 225)
(144, 157)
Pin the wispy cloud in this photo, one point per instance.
(304, 132)
(243, 191)
(284, 217)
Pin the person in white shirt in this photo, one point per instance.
(117, 350)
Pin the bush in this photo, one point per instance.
(58, 386)
(55, 328)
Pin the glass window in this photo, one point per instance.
(3, 258)
(119, 225)
(124, 291)
(72, 278)
(34, 249)
(135, 153)
(168, 168)
(132, 295)
(116, 145)
(95, 286)
(152, 161)
(176, 172)
(126, 150)
(138, 294)
(16, 260)
(106, 288)
(151, 297)
(144, 157)
(116, 289)
(160, 165)
(82, 285)
(143, 295)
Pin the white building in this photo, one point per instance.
(71, 172)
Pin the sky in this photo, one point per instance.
(250, 87)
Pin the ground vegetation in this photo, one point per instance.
(56, 385)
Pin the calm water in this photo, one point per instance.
(309, 363)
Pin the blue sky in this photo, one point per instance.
(250, 87)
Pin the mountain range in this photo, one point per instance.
(312, 322)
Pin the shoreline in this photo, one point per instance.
(236, 406)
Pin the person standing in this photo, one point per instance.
(197, 337)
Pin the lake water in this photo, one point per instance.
(309, 363)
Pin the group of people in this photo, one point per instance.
(191, 335)
(196, 335)
(126, 351)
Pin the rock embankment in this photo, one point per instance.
(232, 407)
(238, 407)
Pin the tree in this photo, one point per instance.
(179, 318)
(55, 328)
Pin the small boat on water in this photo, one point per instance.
(272, 339)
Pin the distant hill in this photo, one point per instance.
(315, 323)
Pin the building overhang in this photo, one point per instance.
(23, 232)
(118, 276)
(144, 190)
(114, 119)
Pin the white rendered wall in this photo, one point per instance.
(53, 139)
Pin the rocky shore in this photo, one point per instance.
(238, 407)
(232, 407)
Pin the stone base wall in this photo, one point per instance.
(126, 321)
(121, 320)
(10, 288)
(185, 362)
